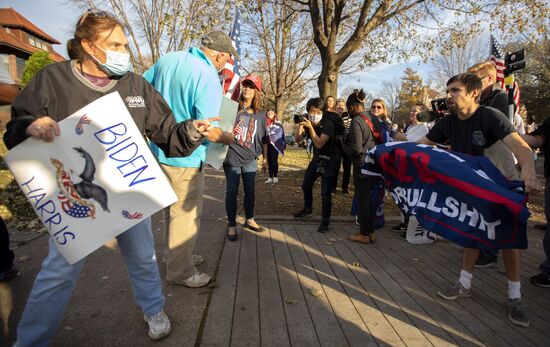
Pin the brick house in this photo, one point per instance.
(19, 38)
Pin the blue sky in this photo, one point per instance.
(58, 19)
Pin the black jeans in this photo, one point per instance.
(272, 161)
(347, 160)
(365, 212)
(327, 178)
(6, 255)
(545, 266)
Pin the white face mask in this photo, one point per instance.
(117, 64)
(315, 118)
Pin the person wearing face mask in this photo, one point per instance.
(321, 129)
(189, 82)
(99, 65)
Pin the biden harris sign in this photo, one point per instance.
(94, 181)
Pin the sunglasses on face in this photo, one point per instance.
(93, 12)
(376, 107)
(248, 86)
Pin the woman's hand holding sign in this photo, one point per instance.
(44, 128)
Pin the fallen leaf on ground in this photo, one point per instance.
(315, 292)
(355, 264)
(24, 258)
(290, 301)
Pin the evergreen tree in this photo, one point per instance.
(411, 93)
(36, 62)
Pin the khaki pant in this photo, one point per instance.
(185, 217)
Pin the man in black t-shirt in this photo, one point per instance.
(324, 163)
(536, 139)
(470, 129)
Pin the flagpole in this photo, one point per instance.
(509, 81)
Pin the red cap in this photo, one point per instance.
(254, 79)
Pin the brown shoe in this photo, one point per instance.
(372, 237)
(365, 239)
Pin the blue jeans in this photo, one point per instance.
(56, 280)
(232, 176)
(545, 267)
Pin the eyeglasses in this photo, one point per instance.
(248, 86)
(96, 13)
(376, 107)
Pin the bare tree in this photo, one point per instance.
(450, 62)
(280, 50)
(390, 94)
(155, 27)
(397, 28)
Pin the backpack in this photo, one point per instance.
(339, 130)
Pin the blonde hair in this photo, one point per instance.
(384, 116)
(484, 68)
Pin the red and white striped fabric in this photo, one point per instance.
(229, 75)
(497, 57)
(230, 81)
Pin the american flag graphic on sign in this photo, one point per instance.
(497, 57)
(229, 75)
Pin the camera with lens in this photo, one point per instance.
(440, 105)
(323, 162)
(439, 109)
(299, 118)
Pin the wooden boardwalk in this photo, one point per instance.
(293, 286)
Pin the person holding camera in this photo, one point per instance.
(470, 129)
(321, 129)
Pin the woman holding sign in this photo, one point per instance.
(100, 65)
(250, 132)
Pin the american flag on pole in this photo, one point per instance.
(229, 75)
(497, 57)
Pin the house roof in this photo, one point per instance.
(12, 19)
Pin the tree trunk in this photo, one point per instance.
(280, 106)
(328, 80)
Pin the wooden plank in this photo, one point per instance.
(375, 321)
(246, 314)
(374, 279)
(219, 317)
(273, 327)
(425, 311)
(301, 330)
(392, 283)
(326, 324)
(353, 326)
(430, 280)
(493, 299)
(482, 306)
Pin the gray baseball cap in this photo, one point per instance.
(220, 42)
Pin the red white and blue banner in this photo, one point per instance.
(276, 135)
(95, 181)
(462, 198)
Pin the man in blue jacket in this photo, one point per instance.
(189, 82)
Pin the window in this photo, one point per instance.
(20, 63)
(5, 76)
(32, 42)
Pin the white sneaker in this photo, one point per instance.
(269, 180)
(199, 279)
(275, 179)
(159, 325)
